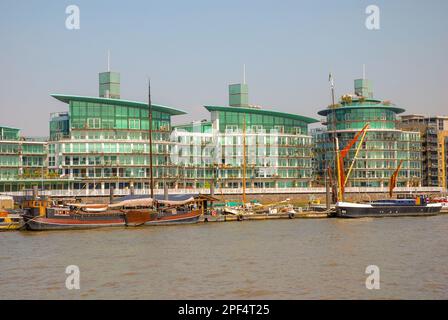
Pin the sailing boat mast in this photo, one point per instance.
(339, 171)
(244, 159)
(335, 139)
(151, 183)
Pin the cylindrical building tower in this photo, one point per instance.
(383, 147)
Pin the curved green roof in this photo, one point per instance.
(119, 102)
(6, 127)
(378, 105)
(262, 111)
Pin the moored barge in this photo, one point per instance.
(43, 214)
(388, 208)
(10, 220)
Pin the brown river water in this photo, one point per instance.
(280, 259)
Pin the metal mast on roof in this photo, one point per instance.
(244, 73)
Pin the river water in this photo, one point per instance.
(280, 259)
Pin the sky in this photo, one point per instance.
(193, 49)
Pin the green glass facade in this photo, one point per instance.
(356, 116)
(239, 95)
(257, 119)
(101, 142)
(277, 149)
(59, 125)
(108, 143)
(22, 161)
(109, 85)
(383, 147)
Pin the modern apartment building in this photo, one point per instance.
(272, 148)
(103, 142)
(23, 161)
(384, 145)
(97, 143)
(434, 132)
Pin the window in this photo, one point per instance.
(94, 123)
(134, 112)
(121, 111)
(134, 124)
(280, 129)
(121, 124)
(108, 123)
(231, 128)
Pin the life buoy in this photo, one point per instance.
(291, 215)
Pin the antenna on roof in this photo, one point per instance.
(108, 60)
(244, 73)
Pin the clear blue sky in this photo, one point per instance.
(193, 49)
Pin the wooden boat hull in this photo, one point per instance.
(181, 218)
(148, 219)
(41, 223)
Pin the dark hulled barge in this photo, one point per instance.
(388, 208)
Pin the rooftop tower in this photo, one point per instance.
(363, 88)
(239, 93)
(109, 82)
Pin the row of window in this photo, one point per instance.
(9, 160)
(118, 135)
(361, 114)
(26, 161)
(346, 125)
(134, 124)
(113, 148)
(8, 174)
(24, 148)
(408, 174)
(9, 148)
(112, 160)
(257, 121)
(92, 109)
